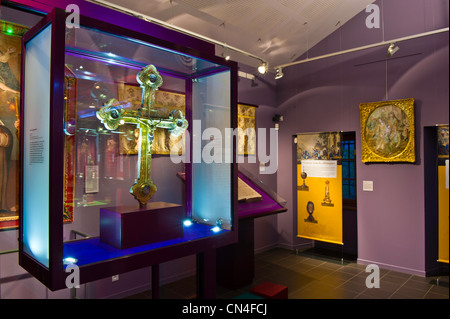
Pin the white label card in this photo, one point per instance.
(320, 168)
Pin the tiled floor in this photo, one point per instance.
(310, 276)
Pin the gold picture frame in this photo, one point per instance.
(388, 132)
(10, 77)
(247, 122)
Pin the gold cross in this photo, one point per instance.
(113, 114)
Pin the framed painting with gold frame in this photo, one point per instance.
(10, 73)
(165, 103)
(70, 117)
(388, 132)
(247, 122)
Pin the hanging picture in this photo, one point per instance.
(165, 103)
(247, 123)
(388, 131)
(10, 72)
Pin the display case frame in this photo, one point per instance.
(54, 275)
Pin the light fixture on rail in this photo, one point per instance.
(279, 74)
(263, 68)
(392, 50)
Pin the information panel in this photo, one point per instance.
(36, 164)
(319, 187)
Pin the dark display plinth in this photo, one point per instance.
(126, 227)
(235, 262)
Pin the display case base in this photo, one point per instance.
(125, 227)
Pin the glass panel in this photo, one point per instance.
(125, 119)
(211, 183)
(115, 50)
(345, 170)
(345, 150)
(36, 147)
(352, 169)
(352, 190)
(345, 190)
(352, 150)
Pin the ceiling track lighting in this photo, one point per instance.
(279, 73)
(384, 43)
(392, 50)
(263, 67)
(262, 61)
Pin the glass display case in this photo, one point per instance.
(110, 117)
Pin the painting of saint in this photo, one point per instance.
(10, 69)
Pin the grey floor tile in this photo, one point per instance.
(409, 293)
(432, 295)
(318, 278)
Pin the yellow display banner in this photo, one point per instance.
(443, 214)
(319, 206)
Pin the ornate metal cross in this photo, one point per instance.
(113, 114)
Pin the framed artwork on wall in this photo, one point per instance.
(10, 73)
(247, 123)
(388, 132)
(70, 116)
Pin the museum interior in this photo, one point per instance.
(224, 149)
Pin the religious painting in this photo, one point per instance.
(70, 116)
(388, 131)
(319, 146)
(442, 137)
(10, 72)
(247, 123)
(165, 103)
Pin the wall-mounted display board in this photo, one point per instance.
(319, 186)
(443, 168)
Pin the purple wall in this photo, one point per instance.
(325, 95)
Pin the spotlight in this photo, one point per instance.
(279, 74)
(262, 68)
(70, 261)
(225, 56)
(392, 50)
(216, 229)
(187, 222)
(277, 119)
(218, 226)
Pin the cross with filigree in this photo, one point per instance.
(113, 114)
